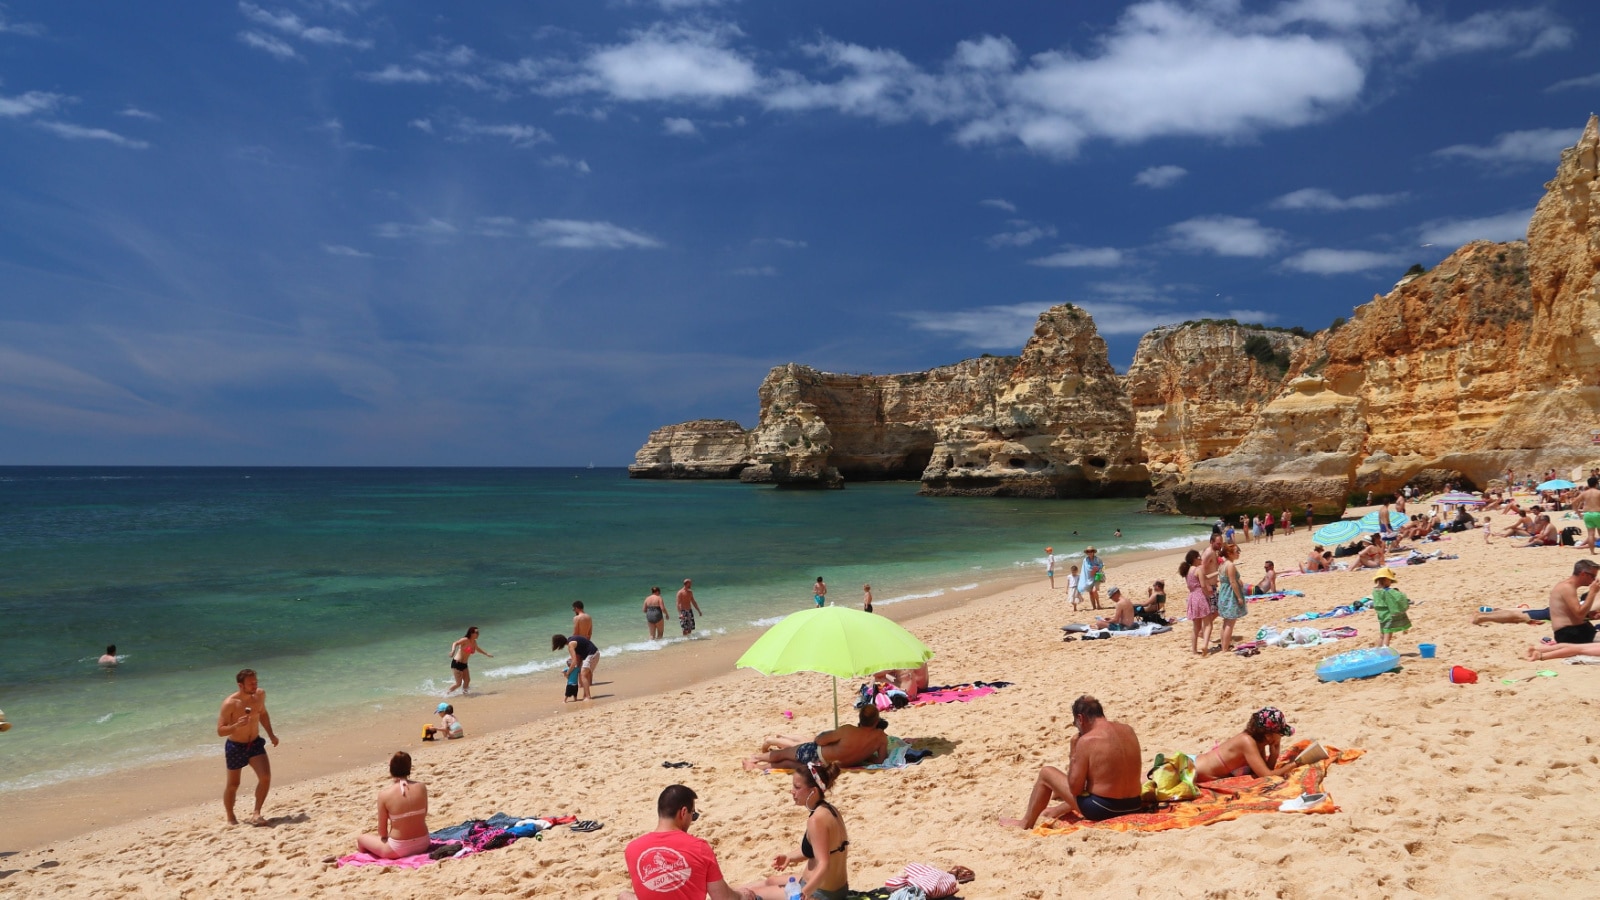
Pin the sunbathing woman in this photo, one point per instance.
(402, 815)
(1253, 751)
(1372, 554)
(1314, 562)
(825, 847)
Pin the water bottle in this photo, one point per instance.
(791, 891)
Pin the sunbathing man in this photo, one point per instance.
(1521, 527)
(1543, 533)
(863, 744)
(1569, 618)
(1104, 776)
(1122, 617)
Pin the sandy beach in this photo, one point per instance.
(1471, 790)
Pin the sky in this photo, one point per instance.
(374, 232)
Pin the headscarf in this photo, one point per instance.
(1270, 720)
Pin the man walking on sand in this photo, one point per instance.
(243, 716)
(1588, 505)
(1104, 776)
(687, 607)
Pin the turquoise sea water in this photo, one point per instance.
(344, 588)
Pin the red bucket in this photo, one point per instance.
(1462, 675)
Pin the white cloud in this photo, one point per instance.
(1507, 226)
(986, 328)
(679, 127)
(1320, 200)
(394, 74)
(997, 203)
(1113, 317)
(433, 229)
(1226, 236)
(564, 162)
(1022, 234)
(80, 133)
(673, 5)
(757, 271)
(1158, 177)
(785, 243)
(1536, 146)
(668, 62)
(335, 130)
(1080, 258)
(268, 43)
(25, 29)
(1530, 31)
(580, 235)
(1585, 82)
(292, 25)
(134, 112)
(423, 125)
(1324, 261)
(29, 103)
(519, 135)
(342, 250)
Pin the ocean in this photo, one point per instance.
(344, 588)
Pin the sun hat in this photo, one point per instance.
(1385, 572)
(1115, 590)
(1088, 549)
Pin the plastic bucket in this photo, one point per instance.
(1426, 650)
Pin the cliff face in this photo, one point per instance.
(704, 448)
(1488, 361)
(1060, 426)
(1196, 388)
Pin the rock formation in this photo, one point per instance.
(1488, 361)
(704, 448)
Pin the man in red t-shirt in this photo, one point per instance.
(671, 864)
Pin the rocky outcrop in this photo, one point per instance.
(1196, 388)
(1488, 361)
(1060, 426)
(704, 448)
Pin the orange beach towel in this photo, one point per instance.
(1228, 798)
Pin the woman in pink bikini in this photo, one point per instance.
(402, 815)
(1253, 751)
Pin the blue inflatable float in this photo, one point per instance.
(1363, 663)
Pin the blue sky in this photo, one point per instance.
(367, 232)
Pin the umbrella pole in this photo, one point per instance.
(835, 701)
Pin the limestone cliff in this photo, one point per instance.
(1486, 362)
(704, 448)
(1196, 388)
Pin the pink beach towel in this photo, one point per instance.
(951, 695)
(404, 862)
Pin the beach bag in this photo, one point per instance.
(1171, 778)
(1569, 536)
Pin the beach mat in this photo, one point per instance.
(1217, 801)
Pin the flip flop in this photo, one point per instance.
(677, 765)
(586, 825)
(962, 874)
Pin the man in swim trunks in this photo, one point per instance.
(862, 744)
(1122, 619)
(243, 716)
(687, 607)
(1588, 503)
(1103, 779)
(819, 592)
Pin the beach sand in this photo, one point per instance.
(1469, 790)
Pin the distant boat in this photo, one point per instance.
(591, 464)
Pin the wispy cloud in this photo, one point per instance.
(1582, 83)
(81, 133)
(1535, 146)
(433, 229)
(997, 203)
(679, 127)
(985, 328)
(1321, 200)
(22, 29)
(1507, 226)
(1118, 318)
(580, 235)
(1324, 261)
(268, 44)
(1022, 234)
(1527, 31)
(335, 130)
(785, 243)
(565, 162)
(667, 62)
(342, 250)
(756, 271)
(396, 74)
(1158, 177)
(517, 134)
(29, 103)
(292, 25)
(1226, 236)
(134, 112)
(1081, 258)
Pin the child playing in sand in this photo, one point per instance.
(1487, 533)
(1072, 588)
(1390, 604)
(572, 671)
(449, 725)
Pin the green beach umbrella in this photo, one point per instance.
(1336, 532)
(837, 641)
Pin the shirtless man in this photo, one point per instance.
(1122, 617)
(243, 716)
(1210, 567)
(583, 626)
(819, 592)
(862, 744)
(1103, 778)
(1543, 533)
(1385, 526)
(688, 608)
(1588, 505)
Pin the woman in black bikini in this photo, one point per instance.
(825, 847)
(460, 652)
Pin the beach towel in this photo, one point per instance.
(934, 882)
(952, 695)
(901, 754)
(404, 862)
(1274, 595)
(1229, 798)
